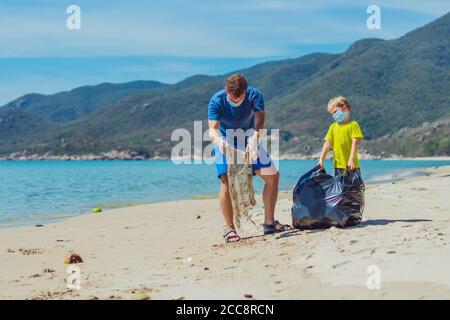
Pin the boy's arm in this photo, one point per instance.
(326, 147)
(353, 152)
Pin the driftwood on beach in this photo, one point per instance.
(240, 182)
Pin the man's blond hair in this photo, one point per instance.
(339, 102)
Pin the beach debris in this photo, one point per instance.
(341, 264)
(10, 250)
(391, 252)
(178, 297)
(140, 296)
(72, 257)
(198, 216)
(39, 225)
(189, 259)
(248, 295)
(37, 275)
(48, 270)
(97, 210)
(31, 251)
(206, 268)
(240, 181)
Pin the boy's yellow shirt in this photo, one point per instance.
(342, 135)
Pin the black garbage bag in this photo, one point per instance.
(323, 201)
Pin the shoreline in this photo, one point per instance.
(392, 177)
(119, 156)
(175, 250)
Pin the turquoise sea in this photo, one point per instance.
(41, 191)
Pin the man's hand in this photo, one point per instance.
(221, 144)
(351, 165)
(252, 147)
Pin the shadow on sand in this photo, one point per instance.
(366, 223)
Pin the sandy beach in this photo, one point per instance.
(175, 250)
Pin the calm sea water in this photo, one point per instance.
(38, 192)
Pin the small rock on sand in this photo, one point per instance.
(140, 296)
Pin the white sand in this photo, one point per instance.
(168, 252)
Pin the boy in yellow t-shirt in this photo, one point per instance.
(343, 136)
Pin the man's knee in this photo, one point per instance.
(272, 179)
(276, 178)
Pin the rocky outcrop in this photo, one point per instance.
(111, 155)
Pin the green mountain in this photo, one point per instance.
(67, 106)
(392, 84)
(431, 139)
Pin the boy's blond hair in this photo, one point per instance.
(338, 102)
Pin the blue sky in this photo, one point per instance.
(167, 40)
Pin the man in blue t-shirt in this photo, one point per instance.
(235, 116)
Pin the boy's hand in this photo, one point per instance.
(320, 164)
(351, 165)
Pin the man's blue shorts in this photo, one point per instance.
(220, 161)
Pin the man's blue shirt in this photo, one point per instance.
(230, 117)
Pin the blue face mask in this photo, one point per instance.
(339, 116)
(234, 104)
